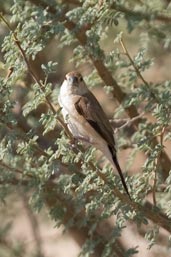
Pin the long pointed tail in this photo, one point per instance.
(115, 160)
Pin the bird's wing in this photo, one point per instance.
(90, 109)
(88, 106)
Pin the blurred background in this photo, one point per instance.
(22, 231)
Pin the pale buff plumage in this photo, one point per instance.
(86, 119)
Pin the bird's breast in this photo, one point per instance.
(73, 119)
(77, 124)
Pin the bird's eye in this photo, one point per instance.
(81, 79)
(65, 78)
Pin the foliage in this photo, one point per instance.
(36, 154)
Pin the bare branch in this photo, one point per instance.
(122, 123)
(125, 50)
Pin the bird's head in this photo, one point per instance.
(75, 83)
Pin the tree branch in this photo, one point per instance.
(152, 15)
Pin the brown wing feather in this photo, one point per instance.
(90, 109)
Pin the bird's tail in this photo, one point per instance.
(115, 160)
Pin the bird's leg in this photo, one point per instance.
(82, 138)
(74, 141)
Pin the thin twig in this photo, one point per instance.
(132, 62)
(127, 122)
(125, 50)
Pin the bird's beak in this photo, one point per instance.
(73, 80)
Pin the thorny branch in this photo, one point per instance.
(123, 123)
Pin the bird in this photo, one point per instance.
(86, 119)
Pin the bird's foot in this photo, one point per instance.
(84, 139)
(73, 143)
(75, 140)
